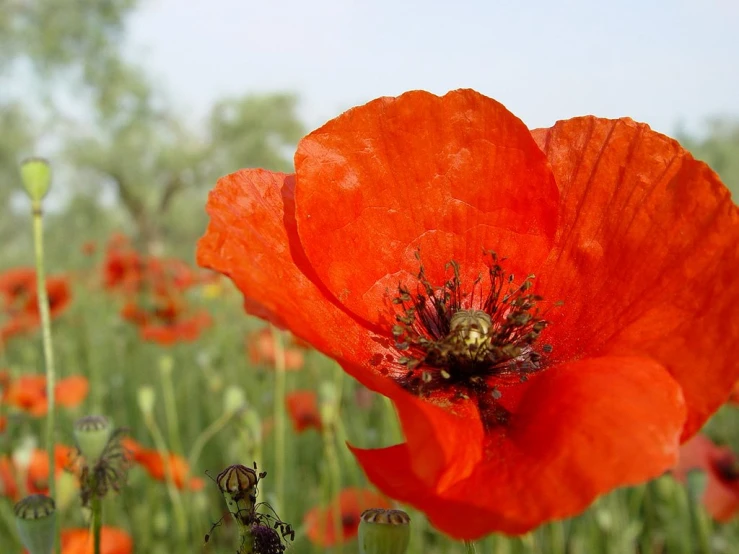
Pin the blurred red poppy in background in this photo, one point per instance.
(112, 541)
(33, 478)
(320, 522)
(721, 466)
(166, 319)
(157, 465)
(260, 347)
(18, 294)
(302, 405)
(405, 247)
(28, 393)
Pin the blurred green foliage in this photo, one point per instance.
(124, 156)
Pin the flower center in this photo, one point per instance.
(461, 344)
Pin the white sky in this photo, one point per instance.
(658, 61)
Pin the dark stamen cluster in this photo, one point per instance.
(463, 339)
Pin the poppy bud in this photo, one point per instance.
(35, 517)
(238, 485)
(146, 398)
(36, 177)
(91, 433)
(384, 531)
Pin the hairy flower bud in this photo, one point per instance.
(36, 177)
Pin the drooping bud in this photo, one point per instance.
(36, 177)
(384, 531)
(35, 518)
(91, 433)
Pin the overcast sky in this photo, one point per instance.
(658, 61)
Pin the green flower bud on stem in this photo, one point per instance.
(384, 531)
(36, 177)
(35, 517)
(91, 433)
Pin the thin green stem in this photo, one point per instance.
(45, 314)
(469, 547)
(701, 528)
(170, 404)
(97, 521)
(174, 494)
(279, 416)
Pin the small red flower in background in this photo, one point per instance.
(19, 299)
(260, 347)
(112, 541)
(34, 478)
(302, 406)
(127, 270)
(166, 320)
(552, 312)
(157, 466)
(320, 527)
(89, 248)
(28, 393)
(721, 465)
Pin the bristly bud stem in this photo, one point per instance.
(35, 518)
(384, 531)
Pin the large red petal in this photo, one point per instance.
(449, 175)
(580, 430)
(252, 239)
(646, 255)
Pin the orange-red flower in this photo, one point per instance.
(28, 393)
(260, 347)
(112, 541)
(19, 299)
(34, 478)
(158, 466)
(551, 312)
(721, 465)
(302, 405)
(166, 320)
(320, 523)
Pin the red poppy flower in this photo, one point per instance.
(721, 495)
(112, 541)
(37, 472)
(20, 300)
(157, 466)
(28, 393)
(302, 406)
(260, 347)
(405, 247)
(166, 320)
(320, 523)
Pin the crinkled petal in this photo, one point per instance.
(252, 239)
(450, 175)
(580, 430)
(646, 255)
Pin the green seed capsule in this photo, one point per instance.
(384, 531)
(35, 517)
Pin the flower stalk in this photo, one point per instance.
(36, 178)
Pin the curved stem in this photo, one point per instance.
(45, 315)
(279, 416)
